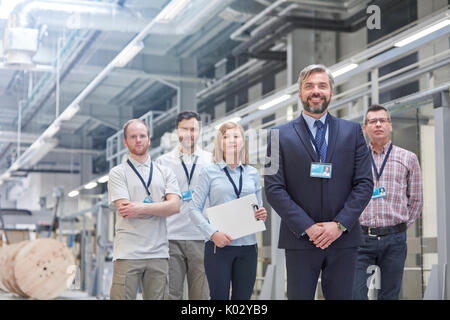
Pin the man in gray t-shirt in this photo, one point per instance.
(144, 193)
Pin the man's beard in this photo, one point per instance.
(319, 110)
(138, 152)
(187, 143)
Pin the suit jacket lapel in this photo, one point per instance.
(302, 132)
(333, 134)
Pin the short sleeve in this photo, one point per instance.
(171, 182)
(117, 186)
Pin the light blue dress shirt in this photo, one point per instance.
(213, 183)
(310, 122)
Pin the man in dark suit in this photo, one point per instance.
(319, 213)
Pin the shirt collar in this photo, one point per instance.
(222, 164)
(310, 120)
(385, 147)
(138, 164)
(177, 153)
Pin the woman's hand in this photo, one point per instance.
(261, 214)
(221, 239)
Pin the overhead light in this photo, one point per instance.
(90, 185)
(51, 131)
(7, 175)
(422, 33)
(273, 102)
(171, 10)
(73, 193)
(103, 179)
(344, 69)
(128, 54)
(235, 119)
(69, 112)
(14, 167)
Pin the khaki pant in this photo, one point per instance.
(186, 259)
(151, 273)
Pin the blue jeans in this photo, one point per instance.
(388, 253)
(235, 265)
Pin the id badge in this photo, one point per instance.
(186, 195)
(321, 170)
(379, 193)
(148, 200)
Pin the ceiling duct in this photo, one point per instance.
(76, 15)
(21, 37)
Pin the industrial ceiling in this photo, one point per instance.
(53, 50)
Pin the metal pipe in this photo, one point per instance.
(237, 35)
(76, 15)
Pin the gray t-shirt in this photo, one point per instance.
(140, 238)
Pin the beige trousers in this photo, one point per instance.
(186, 260)
(152, 274)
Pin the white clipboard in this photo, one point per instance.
(237, 217)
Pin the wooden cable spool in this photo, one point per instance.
(2, 287)
(39, 269)
(43, 267)
(9, 279)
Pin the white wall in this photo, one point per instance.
(28, 192)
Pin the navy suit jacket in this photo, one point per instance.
(301, 200)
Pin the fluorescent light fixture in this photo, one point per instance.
(51, 131)
(103, 179)
(7, 175)
(90, 185)
(127, 54)
(422, 33)
(73, 193)
(14, 167)
(171, 10)
(69, 112)
(234, 119)
(273, 102)
(344, 69)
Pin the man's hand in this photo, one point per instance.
(330, 234)
(314, 231)
(221, 239)
(127, 209)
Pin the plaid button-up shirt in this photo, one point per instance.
(403, 182)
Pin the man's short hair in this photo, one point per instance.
(373, 108)
(125, 126)
(186, 115)
(315, 68)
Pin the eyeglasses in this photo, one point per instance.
(375, 121)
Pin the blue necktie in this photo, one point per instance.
(320, 140)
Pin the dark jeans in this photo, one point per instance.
(231, 264)
(388, 253)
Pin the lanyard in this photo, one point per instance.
(146, 186)
(313, 140)
(189, 175)
(238, 192)
(378, 174)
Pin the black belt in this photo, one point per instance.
(382, 231)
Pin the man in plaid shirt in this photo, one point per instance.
(396, 203)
